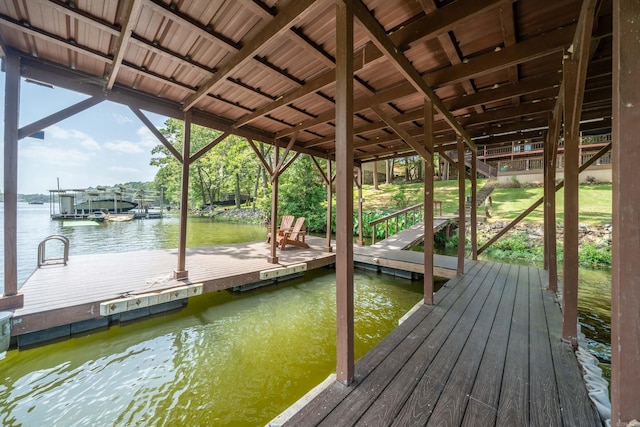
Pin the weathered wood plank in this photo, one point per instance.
(543, 394)
(365, 391)
(485, 395)
(577, 409)
(451, 406)
(513, 409)
(403, 382)
(418, 408)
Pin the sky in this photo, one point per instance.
(103, 145)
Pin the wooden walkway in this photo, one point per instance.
(411, 236)
(487, 353)
(391, 252)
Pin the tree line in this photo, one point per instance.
(231, 171)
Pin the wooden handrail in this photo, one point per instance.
(413, 209)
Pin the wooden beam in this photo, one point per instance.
(281, 161)
(54, 118)
(36, 69)
(448, 45)
(10, 297)
(428, 203)
(402, 64)
(181, 272)
(421, 150)
(260, 157)
(432, 25)
(289, 162)
(344, 182)
(461, 206)
(574, 76)
(550, 156)
(281, 23)
(320, 171)
(474, 206)
(201, 152)
(157, 133)
(194, 26)
(625, 289)
(275, 180)
(528, 50)
(131, 15)
(507, 25)
(26, 28)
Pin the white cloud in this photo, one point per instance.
(55, 155)
(121, 119)
(146, 138)
(126, 147)
(72, 136)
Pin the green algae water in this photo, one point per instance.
(225, 360)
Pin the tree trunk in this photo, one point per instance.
(202, 191)
(407, 172)
(237, 191)
(375, 175)
(255, 188)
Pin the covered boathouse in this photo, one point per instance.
(357, 81)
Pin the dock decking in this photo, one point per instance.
(488, 352)
(69, 297)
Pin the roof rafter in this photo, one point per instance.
(432, 25)
(132, 13)
(281, 23)
(449, 47)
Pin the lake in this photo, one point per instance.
(226, 359)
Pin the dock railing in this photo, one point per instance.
(416, 212)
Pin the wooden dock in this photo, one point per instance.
(61, 301)
(488, 352)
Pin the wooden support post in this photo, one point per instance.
(461, 206)
(327, 246)
(344, 191)
(11, 298)
(428, 203)
(625, 295)
(181, 271)
(474, 205)
(360, 202)
(571, 211)
(275, 178)
(550, 154)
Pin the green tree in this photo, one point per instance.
(301, 193)
(228, 166)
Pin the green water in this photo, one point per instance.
(226, 359)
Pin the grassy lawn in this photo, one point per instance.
(595, 200)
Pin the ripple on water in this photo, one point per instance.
(226, 359)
